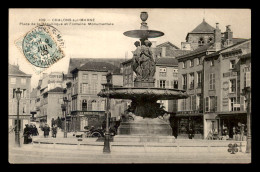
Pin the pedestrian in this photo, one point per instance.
(54, 131)
(26, 134)
(46, 130)
(35, 131)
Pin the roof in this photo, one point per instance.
(77, 62)
(203, 27)
(167, 61)
(237, 40)
(218, 52)
(57, 89)
(165, 43)
(199, 50)
(14, 70)
(97, 66)
(248, 55)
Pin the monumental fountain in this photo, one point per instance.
(147, 124)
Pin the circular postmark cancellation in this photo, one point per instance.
(43, 45)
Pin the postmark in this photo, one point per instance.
(42, 46)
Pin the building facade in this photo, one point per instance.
(87, 109)
(18, 79)
(223, 84)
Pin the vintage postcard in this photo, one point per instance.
(132, 85)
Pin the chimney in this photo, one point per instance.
(228, 36)
(163, 51)
(217, 38)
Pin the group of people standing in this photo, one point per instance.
(46, 130)
(29, 131)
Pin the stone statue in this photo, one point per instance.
(143, 61)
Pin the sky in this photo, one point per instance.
(108, 41)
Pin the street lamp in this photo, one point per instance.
(17, 131)
(63, 107)
(106, 148)
(247, 92)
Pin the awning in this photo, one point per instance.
(232, 114)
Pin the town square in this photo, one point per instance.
(129, 86)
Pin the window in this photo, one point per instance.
(24, 108)
(212, 62)
(94, 105)
(199, 79)
(191, 62)
(184, 64)
(104, 78)
(247, 79)
(162, 72)
(162, 83)
(199, 61)
(207, 104)
(199, 102)
(84, 88)
(201, 41)
(232, 86)
(184, 81)
(102, 105)
(213, 103)
(23, 81)
(193, 102)
(13, 80)
(183, 104)
(232, 64)
(85, 76)
(94, 76)
(212, 81)
(210, 39)
(84, 105)
(175, 84)
(191, 80)
(233, 104)
(93, 88)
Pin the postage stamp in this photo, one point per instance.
(42, 46)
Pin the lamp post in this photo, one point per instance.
(63, 107)
(247, 92)
(106, 148)
(17, 131)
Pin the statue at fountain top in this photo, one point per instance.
(143, 61)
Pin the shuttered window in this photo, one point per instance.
(207, 104)
(212, 81)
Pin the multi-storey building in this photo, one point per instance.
(87, 109)
(18, 79)
(49, 96)
(224, 102)
(166, 76)
(192, 73)
(117, 106)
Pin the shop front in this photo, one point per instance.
(189, 126)
(233, 124)
(81, 119)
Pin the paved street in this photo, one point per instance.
(45, 153)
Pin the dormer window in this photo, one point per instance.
(210, 39)
(201, 41)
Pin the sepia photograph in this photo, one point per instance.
(129, 86)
